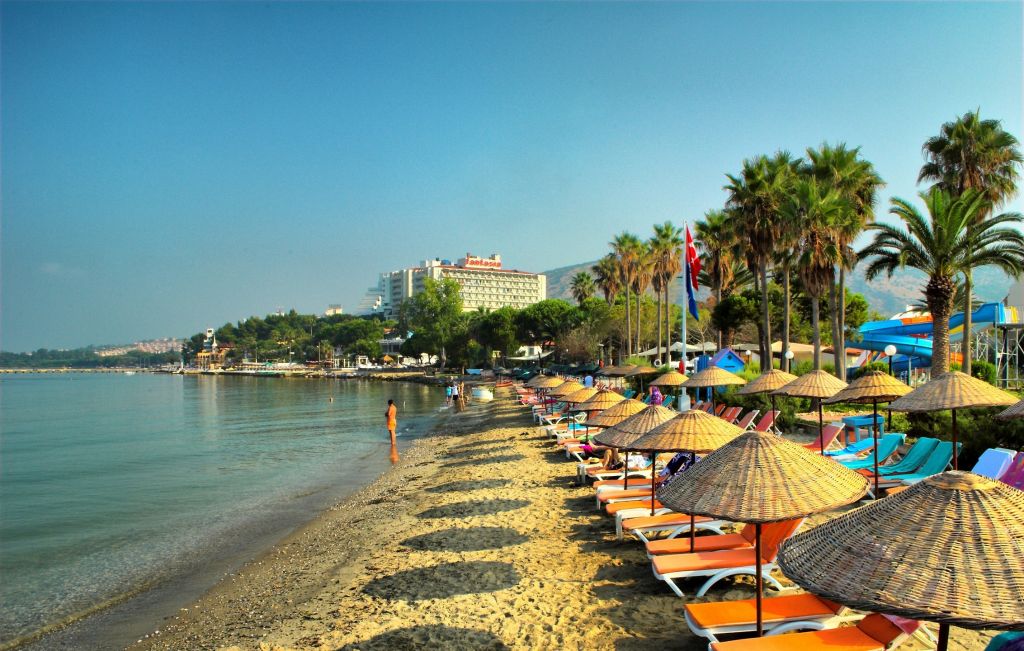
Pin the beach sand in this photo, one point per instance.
(478, 539)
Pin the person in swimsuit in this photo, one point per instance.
(392, 421)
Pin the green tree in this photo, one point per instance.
(666, 250)
(757, 195)
(544, 322)
(843, 169)
(972, 154)
(942, 245)
(716, 240)
(435, 316)
(497, 330)
(582, 286)
(608, 278)
(816, 211)
(628, 251)
(732, 313)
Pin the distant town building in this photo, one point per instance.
(211, 357)
(333, 310)
(485, 283)
(153, 346)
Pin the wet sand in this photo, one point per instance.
(478, 539)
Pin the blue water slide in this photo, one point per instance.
(879, 334)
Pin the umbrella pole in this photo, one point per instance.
(821, 428)
(759, 580)
(943, 643)
(772, 396)
(955, 455)
(625, 473)
(653, 456)
(874, 433)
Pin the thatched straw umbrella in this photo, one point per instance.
(947, 550)
(953, 390)
(617, 413)
(767, 383)
(603, 399)
(580, 396)
(759, 478)
(640, 372)
(713, 377)
(627, 430)
(671, 379)
(1016, 411)
(544, 382)
(816, 384)
(565, 388)
(693, 431)
(873, 387)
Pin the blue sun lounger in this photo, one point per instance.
(912, 460)
(887, 446)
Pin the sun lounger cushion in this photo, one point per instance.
(774, 609)
(698, 561)
(612, 509)
(681, 545)
(873, 633)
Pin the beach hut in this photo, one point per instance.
(728, 360)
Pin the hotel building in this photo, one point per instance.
(483, 280)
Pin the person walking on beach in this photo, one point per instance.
(448, 395)
(392, 421)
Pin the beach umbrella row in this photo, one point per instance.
(622, 434)
(815, 385)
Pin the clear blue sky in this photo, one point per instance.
(168, 166)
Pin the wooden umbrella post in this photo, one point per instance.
(955, 455)
(874, 434)
(653, 457)
(759, 579)
(943, 643)
(821, 427)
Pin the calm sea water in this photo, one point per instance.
(109, 483)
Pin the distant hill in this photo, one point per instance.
(885, 295)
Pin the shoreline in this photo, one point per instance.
(121, 619)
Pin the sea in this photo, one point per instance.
(140, 491)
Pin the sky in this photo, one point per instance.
(169, 166)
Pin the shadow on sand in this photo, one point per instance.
(472, 539)
(429, 637)
(472, 508)
(445, 580)
(469, 485)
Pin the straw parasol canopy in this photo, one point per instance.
(642, 370)
(770, 381)
(873, 387)
(953, 390)
(693, 431)
(546, 382)
(712, 376)
(601, 400)
(584, 394)
(816, 384)
(626, 431)
(565, 388)
(1016, 411)
(616, 413)
(766, 383)
(760, 477)
(947, 549)
(618, 371)
(670, 379)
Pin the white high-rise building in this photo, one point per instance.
(483, 280)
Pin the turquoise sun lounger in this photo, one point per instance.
(937, 462)
(912, 460)
(887, 446)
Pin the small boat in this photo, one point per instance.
(482, 394)
(129, 372)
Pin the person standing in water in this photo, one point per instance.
(392, 421)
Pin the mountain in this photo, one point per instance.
(884, 295)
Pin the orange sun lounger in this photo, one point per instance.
(718, 565)
(873, 633)
(779, 615)
(671, 522)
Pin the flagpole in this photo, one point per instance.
(684, 399)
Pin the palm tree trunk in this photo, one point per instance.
(816, 331)
(766, 337)
(966, 347)
(939, 294)
(841, 350)
(639, 301)
(658, 354)
(784, 361)
(718, 300)
(838, 363)
(629, 328)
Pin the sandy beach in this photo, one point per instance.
(478, 539)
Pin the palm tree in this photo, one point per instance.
(582, 286)
(841, 168)
(951, 239)
(666, 246)
(816, 210)
(644, 269)
(716, 240)
(626, 248)
(607, 277)
(784, 260)
(971, 153)
(757, 195)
